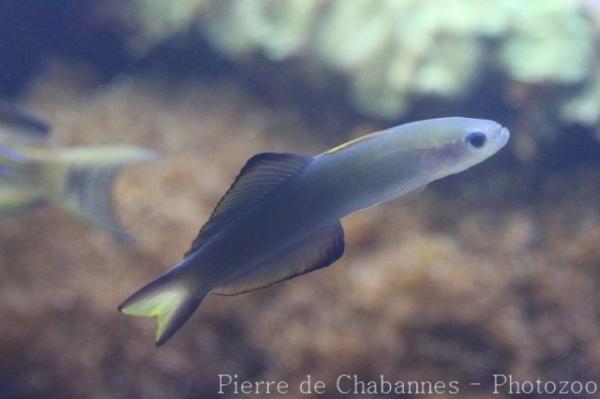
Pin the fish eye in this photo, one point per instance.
(476, 139)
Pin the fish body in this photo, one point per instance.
(280, 218)
(78, 180)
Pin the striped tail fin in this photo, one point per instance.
(81, 182)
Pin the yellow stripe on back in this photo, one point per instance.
(352, 142)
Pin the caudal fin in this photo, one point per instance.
(81, 181)
(171, 298)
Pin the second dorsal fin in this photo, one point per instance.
(260, 176)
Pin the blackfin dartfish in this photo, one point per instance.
(281, 217)
(78, 180)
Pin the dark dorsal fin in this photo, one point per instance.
(17, 124)
(260, 176)
(318, 249)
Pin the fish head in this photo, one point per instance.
(452, 145)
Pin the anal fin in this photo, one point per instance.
(318, 249)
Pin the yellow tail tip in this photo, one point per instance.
(169, 301)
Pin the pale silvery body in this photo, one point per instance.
(280, 218)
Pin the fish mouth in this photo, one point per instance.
(503, 137)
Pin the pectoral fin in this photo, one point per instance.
(318, 249)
